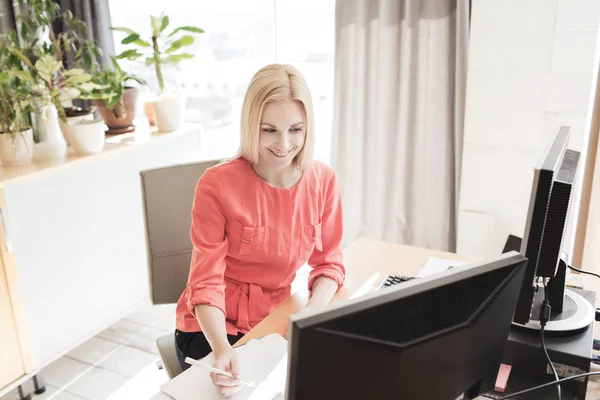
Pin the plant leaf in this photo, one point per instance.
(164, 23)
(188, 29)
(175, 58)
(74, 71)
(183, 41)
(68, 95)
(155, 23)
(137, 79)
(22, 75)
(91, 86)
(142, 43)
(131, 38)
(13, 36)
(78, 79)
(20, 56)
(93, 96)
(115, 63)
(47, 66)
(129, 54)
(150, 61)
(125, 30)
(24, 32)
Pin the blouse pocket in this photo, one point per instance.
(246, 241)
(252, 240)
(311, 240)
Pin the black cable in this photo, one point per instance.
(533, 389)
(568, 261)
(544, 317)
(558, 392)
(582, 271)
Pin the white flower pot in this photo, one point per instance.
(169, 112)
(64, 126)
(16, 148)
(87, 136)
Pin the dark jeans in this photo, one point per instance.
(195, 345)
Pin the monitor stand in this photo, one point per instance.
(570, 311)
(570, 351)
(577, 314)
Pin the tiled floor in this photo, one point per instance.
(119, 363)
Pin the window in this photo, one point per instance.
(241, 37)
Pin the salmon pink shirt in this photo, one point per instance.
(250, 238)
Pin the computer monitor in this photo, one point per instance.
(434, 338)
(553, 180)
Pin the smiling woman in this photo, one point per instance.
(277, 125)
(281, 136)
(256, 220)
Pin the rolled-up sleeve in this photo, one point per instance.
(206, 283)
(329, 260)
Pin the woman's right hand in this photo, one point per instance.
(226, 360)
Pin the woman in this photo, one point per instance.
(255, 221)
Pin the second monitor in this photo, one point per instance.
(431, 338)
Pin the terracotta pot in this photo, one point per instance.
(125, 123)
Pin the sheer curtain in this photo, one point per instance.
(400, 77)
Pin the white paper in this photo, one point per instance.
(273, 388)
(258, 359)
(435, 265)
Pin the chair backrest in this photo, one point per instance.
(167, 195)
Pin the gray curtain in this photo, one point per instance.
(96, 15)
(400, 78)
(6, 18)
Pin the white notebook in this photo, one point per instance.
(263, 361)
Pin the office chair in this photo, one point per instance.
(167, 195)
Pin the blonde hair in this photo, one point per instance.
(275, 83)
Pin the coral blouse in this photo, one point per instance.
(250, 238)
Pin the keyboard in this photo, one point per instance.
(393, 280)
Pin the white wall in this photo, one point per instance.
(532, 65)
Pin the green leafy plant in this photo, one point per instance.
(16, 101)
(110, 86)
(161, 48)
(53, 83)
(36, 28)
(34, 47)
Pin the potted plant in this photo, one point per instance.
(16, 136)
(54, 87)
(162, 49)
(115, 97)
(36, 46)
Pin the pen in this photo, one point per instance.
(191, 361)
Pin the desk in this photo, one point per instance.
(363, 258)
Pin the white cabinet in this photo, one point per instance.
(73, 244)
